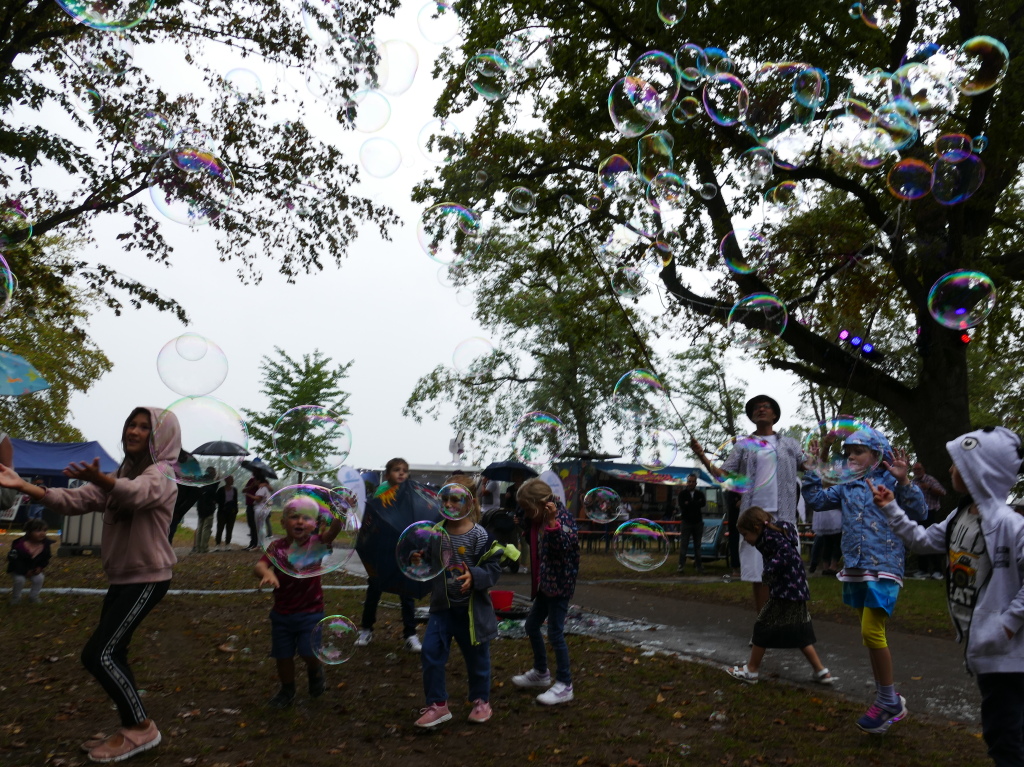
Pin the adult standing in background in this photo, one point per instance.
(929, 564)
(227, 510)
(690, 510)
(249, 491)
(777, 495)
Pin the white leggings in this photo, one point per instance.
(19, 585)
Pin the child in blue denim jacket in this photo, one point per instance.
(874, 557)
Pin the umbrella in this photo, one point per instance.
(220, 447)
(387, 514)
(502, 471)
(17, 376)
(257, 465)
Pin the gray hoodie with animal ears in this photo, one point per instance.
(988, 460)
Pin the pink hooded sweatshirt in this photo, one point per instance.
(135, 548)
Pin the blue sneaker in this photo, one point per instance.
(878, 720)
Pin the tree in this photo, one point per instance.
(310, 440)
(842, 250)
(712, 399)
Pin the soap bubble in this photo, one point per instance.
(191, 365)
(471, 355)
(614, 172)
(691, 61)
(726, 99)
(441, 142)
(654, 154)
(601, 504)
(743, 250)
(402, 62)
(953, 147)
(716, 61)
(15, 226)
(877, 13)
(449, 233)
(380, 157)
(633, 105)
(211, 432)
(981, 65)
(671, 12)
(628, 281)
(652, 448)
(756, 320)
(243, 84)
(522, 199)
(640, 396)
(980, 143)
(537, 439)
(954, 182)
(755, 166)
(456, 501)
(810, 87)
(480, 177)
(756, 468)
(438, 22)
(191, 186)
(6, 285)
(824, 454)
(489, 74)
(152, 133)
(658, 69)
(312, 439)
(309, 513)
(640, 545)
(707, 191)
(87, 101)
(771, 105)
(687, 108)
(108, 15)
(423, 551)
(594, 202)
(910, 179)
(962, 299)
(372, 111)
(667, 192)
(334, 639)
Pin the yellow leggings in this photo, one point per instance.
(872, 627)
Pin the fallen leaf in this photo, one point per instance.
(677, 715)
(660, 698)
(917, 678)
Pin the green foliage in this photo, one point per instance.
(712, 398)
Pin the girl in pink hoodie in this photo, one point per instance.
(136, 502)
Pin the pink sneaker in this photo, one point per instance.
(481, 712)
(133, 742)
(433, 715)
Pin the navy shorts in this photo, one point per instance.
(291, 633)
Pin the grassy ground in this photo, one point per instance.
(202, 661)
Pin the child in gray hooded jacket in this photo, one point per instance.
(984, 542)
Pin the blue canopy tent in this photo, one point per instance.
(49, 459)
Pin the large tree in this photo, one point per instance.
(842, 251)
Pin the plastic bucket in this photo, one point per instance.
(502, 600)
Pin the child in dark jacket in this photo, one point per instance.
(554, 564)
(28, 556)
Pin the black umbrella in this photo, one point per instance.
(257, 465)
(501, 471)
(220, 447)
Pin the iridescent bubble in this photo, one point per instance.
(594, 202)
(471, 355)
(152, 133)
(633, 105)
(771, 103)
(928, 87)
(334, 640)
(962, 299)
(828, 455)
(640, 396)
(449, 233)
(716, 62)
(741, 250)
(757, 320)
(691, 61)
(726, 99)
(953, 183)
(810, 87)
(308, 530)
(538, 439)
(88, 101)
(981, 65)
(212, 434)
(851, 142)
(756, 469)
(489, 74)
(191, 365)
(652, 448)
(380, 157)
(900, 119)
(910, 179)
(191, 186)
(755, 166)
(980, 143)
(7, 283)
(707, 191)
(457, 501)
(480, 177)
(654, 154)
(601, 505)
(324, 20)
(441, 142)
(658, 69)
(686, 109)
(312, 439)
(884, 14)
(438, 22)
(110, 55)
(671, 12)
(666, 192)
(614, 171)
(522, 199)
(628, 281)
(108, 15)
(566, 203)
(953, 147)
(15, 226)
(243, 84)
(785, 195)
(372, 112)
(424, 550)
(402, 64)
(640, 545)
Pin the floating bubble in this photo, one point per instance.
(480, 177)
(438, 22)
(825, 453)
(707, 191)
(742, 249)
(666, 192)
(640, 545)
(671, 12)
(402, 64)
(88, 101)
(953, 147)
(594, 202)
(628, 281)
(108, 15)
(757, 466)
(691, 61)
(191, 186)
(152, 133)
(981, 65)
(771, 104)
(962, 299)
(640, 396)
(334, 640)
(928, 87)
(522, 199)
(191, 365)
(810, 87)
(601, 505)
(653, 448)
(243, 84)
(372, 111)
(537, 439)
(658, 69)
(424, 550)
(457, 501)
(449, 233)
(441, 142)
(877, 13)
(308, 530)
(566, 203)
(654, 154)
(614, 172)
(954, 182)
(110, 55)
(213, 435)
(900, 119)
(756, 320)
(471, 355)
(633, 105)
(15, 227)
(312, 439)
(850, 141)
(464, 297)
(910, 179)
(380, 157)
(489, 74)
(716, 61)
(687, 108)
(755, 166)
(726, 99)
(7, 283)
(980, 143)
(785, 195)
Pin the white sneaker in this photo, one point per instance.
(532, 678)
(938, 576)
(364, 638)
(559, 693)
(413, 644)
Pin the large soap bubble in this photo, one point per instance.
(334, 639)
(191, 186)
(954, 181)
(640, 396)
(825, 450)
(538, 439)
(602, 504)
(981, 65)
(658, 69)
(191, 365)
(756, 469)
(424, 550)
(757, 320)
(212, 434)
(470, 355)
(441, 141)
(744, 250)
(456, 501)
(449, 233)
(438, 22)
(152, 133)
(108, 15)
(402, 62)
(653, 448)
(910, 179)
(380, 157)
(640, 545)
(962, 299)
(489, 74)
(633, 105)
(312, 439)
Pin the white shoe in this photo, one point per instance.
(938, 576)
(364, 638)
(559, 693)
(532, 678)
(413, 644)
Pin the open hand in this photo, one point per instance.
(882, 494)
(9, 477)
(87, 472)
(900, 466)
(270, 579)
(466, 582)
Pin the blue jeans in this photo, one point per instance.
(554, 609)
(1002, 717)
(442, 627)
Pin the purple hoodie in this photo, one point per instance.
(135, 546)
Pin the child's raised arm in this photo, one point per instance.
(265, 572)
